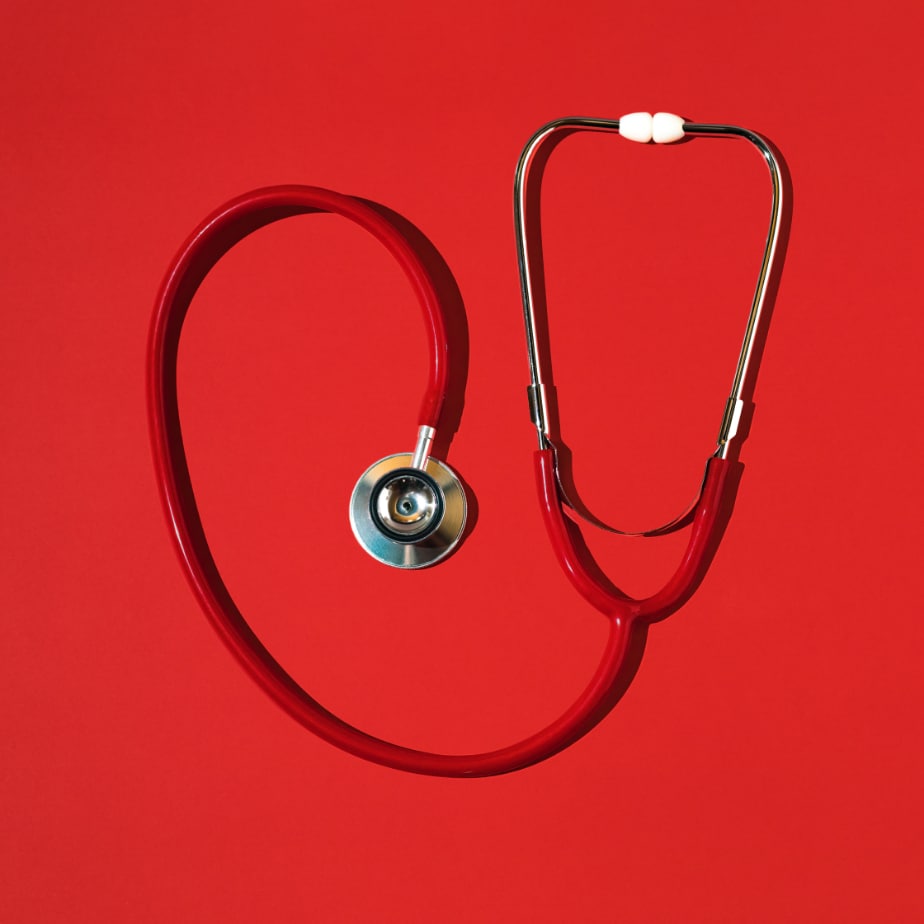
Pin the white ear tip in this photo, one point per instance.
(666, 127)
(636, 126)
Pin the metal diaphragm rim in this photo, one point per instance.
(436, 542)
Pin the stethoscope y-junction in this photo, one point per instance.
(408, 510)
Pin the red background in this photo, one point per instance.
(766, 762)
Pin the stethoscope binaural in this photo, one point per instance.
(408, 510)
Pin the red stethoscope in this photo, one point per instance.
(408, 510)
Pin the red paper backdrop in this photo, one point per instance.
(764, 765)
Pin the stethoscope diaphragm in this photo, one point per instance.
(408, 517)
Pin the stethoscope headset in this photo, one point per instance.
(408, 510)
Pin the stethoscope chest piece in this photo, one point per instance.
(408, 517)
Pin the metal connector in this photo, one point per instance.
(425, 436)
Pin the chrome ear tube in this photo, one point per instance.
(642, 127)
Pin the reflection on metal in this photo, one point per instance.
(405, 516)
(664, 131)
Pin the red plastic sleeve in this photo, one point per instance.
(590, 586)
(212, 239)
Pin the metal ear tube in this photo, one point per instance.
(642, 127)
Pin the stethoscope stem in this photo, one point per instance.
(422, 448)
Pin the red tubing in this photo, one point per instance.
(245, 214)
(208, 243)
(592, 588)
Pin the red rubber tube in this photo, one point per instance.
(207, 244)
(245, 214)
(672, 595)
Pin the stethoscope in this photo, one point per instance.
(408, 510)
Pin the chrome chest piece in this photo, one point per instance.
(409, 511)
